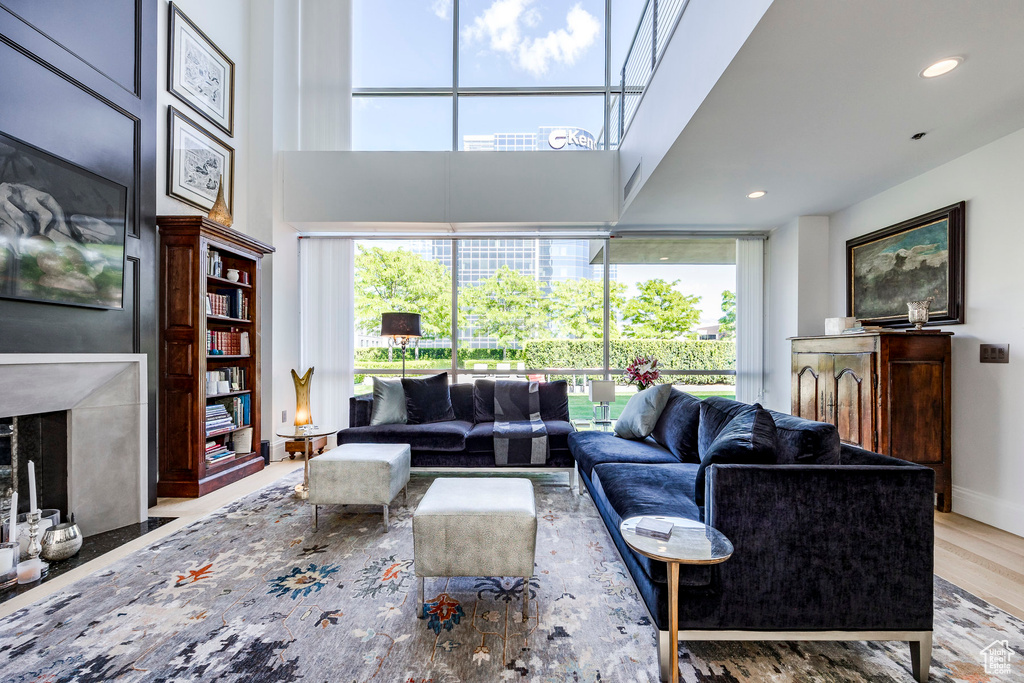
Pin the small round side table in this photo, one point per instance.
(307, 434)
(691, 543)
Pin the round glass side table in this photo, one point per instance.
(306, 434)
(691, 543)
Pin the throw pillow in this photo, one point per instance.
(388, 402)
(427, 399)
(676, 429)
(715, 413)
(483, 401)
(748, 439)
(642, 412)
(554, 400)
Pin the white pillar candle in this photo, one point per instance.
(6, 560)
(32, 503)
(12, 524)
(30, 571)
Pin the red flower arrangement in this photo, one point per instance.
(643, 372)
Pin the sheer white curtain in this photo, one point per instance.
(750, 319)
(327, 325)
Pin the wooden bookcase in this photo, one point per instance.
(186, 246)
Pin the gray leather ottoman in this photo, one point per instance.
(359, 474)
(476, 527)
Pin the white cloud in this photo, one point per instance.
(501, 27)
(442, 8)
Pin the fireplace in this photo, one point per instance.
(82, 419)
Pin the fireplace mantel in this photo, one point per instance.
(106, 399)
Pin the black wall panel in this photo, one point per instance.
(78, 79)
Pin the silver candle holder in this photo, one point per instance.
(34, 546)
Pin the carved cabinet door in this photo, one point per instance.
(808, 387)
(849, 399)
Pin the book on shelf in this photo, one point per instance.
(214, 265)
(229, 303)
(228, 413)
(230, 343)
(234, 374)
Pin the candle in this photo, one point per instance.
(12, 523)
(32, 506)
(29, 571)
(6, 560)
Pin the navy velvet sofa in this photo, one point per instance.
(468, 440)
(831, 543)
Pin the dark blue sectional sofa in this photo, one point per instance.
(831, 542)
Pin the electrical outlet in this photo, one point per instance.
(995, 353)
(284, 416)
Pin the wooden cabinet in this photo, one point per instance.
(885, 391)
(210, 330)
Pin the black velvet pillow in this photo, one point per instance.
(483, 401)
(462, 401)
(676, 429)
(554, 400)
(804, 442)
(715, 413)
(427, 399)
(748, 439)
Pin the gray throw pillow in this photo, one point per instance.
(388, 402)
(642, 412)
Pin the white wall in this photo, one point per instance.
(226, 22)
(988, 434)
(797, 299)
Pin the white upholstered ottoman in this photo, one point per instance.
(359, 474)
(476, 527)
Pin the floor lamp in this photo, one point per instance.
(399, 328)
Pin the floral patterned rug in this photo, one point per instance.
(251, 594)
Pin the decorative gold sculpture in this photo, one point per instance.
(302, 414)
(220, 212)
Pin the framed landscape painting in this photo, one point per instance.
(199, 73)
(910, 261)
(196, 162)
(62, 230)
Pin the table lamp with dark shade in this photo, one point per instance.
(400, 328)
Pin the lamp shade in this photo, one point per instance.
(602, 391)
(400, 325)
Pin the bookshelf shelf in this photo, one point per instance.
(224, 319)
(192, 250)
(226, 282)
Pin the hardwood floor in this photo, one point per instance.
(981, 559)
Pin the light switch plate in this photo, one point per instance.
(995, 353)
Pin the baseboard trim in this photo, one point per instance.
(988, 509)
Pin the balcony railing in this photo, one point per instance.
(657, 23)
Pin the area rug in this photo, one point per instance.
(252, 594)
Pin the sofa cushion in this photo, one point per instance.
(462, 396)
(388, 402)
(427, 399)
(592, 448)
(642, 412)
(481, 437)
(676, 429)
(554, 401)
(483, 400)
(632, 490)
(715, 413)
(749, 438)
(803, 442)
(435, 436)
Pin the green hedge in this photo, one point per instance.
(381, 354)
(671, 355)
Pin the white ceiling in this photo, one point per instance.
(819, 105)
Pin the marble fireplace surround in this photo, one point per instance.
(106, 399)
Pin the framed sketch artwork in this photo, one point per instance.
(911, 261)
(62, 230)
(196, 161)
(199, 73)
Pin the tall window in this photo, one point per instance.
(536, 308)
(488, 74)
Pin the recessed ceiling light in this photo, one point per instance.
(943, 66)
(756, 194)
(664, 258)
